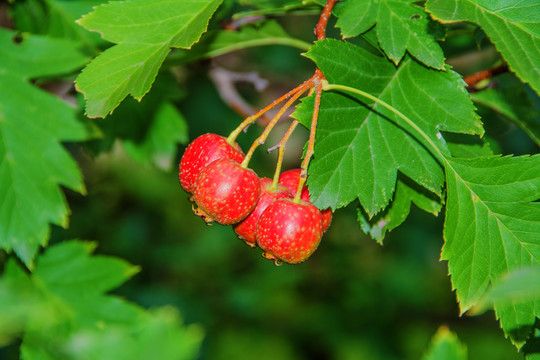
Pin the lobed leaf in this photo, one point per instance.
(512, 26)
(64, 312)
(33, 123)
(491, 228)
(145, 31)
(79, 272)
(396, 213)
(359, 147)
(401, 26)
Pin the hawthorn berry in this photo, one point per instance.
(289, 231)
(226, 192)
(246, 228)
(290, 179)
(202, 151)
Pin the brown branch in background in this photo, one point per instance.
(238, 23)
(474, 79)
(225, 81)
(63, 89)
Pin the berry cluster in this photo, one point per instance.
(274, 214)
(262, 211)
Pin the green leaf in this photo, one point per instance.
(406, 194)
(18, 302)
(80, 273)
(401, 26)
(362, 158)
(512, 26)
(511, 98)
(31, 56)
(33, 163)
(64, 298)
(160, 336)
(467, 146)
(64, 312)
(219, 42)
(491, 228)
(56, 18)
(159, 145)
(154, 129)
(445, 345)
(145, 33)
(66, 278)
(520, 285)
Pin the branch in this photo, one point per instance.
(235, 24)
(474, 79)
(225, 81)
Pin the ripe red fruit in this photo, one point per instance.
(290, 179)
(226, 192)
(202, 151)
(247, 227)
(289, 231)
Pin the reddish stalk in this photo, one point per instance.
(320, 32)
(262, 138)
(313, 83)
(311, 141)
(251, 119)
(320, 28)
(281, 151)
(281, 146)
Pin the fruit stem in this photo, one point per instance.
(262, 138)
(320, 32)
(281, 152)
(312, 132)
(251, 119)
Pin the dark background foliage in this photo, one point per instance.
(354, 299)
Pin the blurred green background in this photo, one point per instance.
(354, 299)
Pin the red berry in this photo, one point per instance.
(226, 192)
(289, 231)
(290, 179)
(246, 228)
(202, 151)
